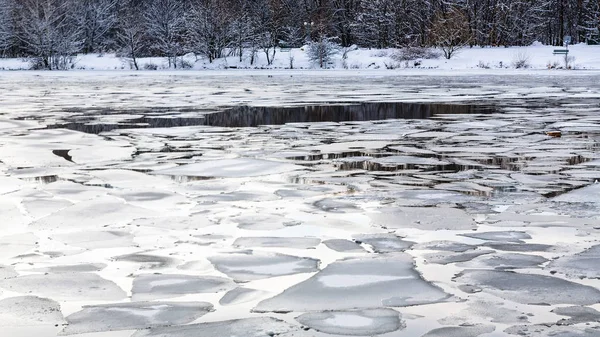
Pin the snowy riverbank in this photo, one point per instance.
(536, 57)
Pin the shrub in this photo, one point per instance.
(183, 64)
(483, 65)
(150, 66)
(413, 53)
(521, 60)
(321, 52)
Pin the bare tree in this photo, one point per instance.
(209, 28)
(165, 25)
(95, 18)
(322, 51)
(375, 24)
(131, 36)
(45, 30)
(450, 31)
(6, 25)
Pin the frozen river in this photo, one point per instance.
(160, 204)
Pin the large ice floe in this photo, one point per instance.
(299, 204)
(358, 283)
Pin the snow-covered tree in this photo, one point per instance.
(375, 24)
(209, 26)
(322, 51)
(46, 31)
(165, 25)
(589, 21)
(131, 36)
(450, 31)
(95, 18)
(243, 28)
(6, 25)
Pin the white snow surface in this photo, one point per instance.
(481, 58)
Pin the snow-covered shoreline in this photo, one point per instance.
(476, 59)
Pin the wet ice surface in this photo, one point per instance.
(461, 331)
(530, 288)
(353, 323)
(251, 327)
(584, 264)
(362, 283)
(122, 210)
(156, 286)
(65, 286)
(136, 315)
(250, 266)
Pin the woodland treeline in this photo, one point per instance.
(49, 31)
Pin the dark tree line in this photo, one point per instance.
(50, 31)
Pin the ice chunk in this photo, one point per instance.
(448, 246)
(542, 330)
(96, 239)
(407, 161)
(506, 261)
(284, 242)
(447, 258)
(358, 283)
(231, 168)
(262, 222)
(76, 268)
(132, 316)
(424, 218)
(29, 310)
(530, 288)
(156, 286)
(577, 315)
(41, 207)
(494, 312)
(175, 222)
(250, 266)
(520, 247)
(384, 243)
(344, 246)
(505, 236)
(147, 261)
(584, 264)
(461, 331)
(336, 205)
(7, 272)
(13, 245)
(241, 295)
(583, 195)
(429, 197)
(249, 327)
(108, 211)
(366, 322)
(65, 286)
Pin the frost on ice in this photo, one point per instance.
(29, 310)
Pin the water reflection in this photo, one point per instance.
(247, 116)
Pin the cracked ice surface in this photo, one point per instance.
(123, 213)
